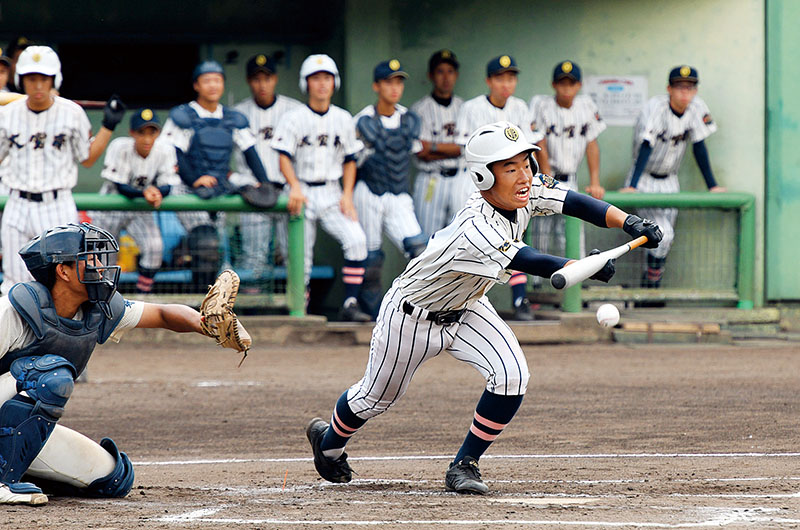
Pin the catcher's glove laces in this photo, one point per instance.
(217, 318)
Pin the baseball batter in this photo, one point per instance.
(501, 105)
(666, 125)
(389, 133)
(43, 138)
(571, 124)
(263, 111)
(49, 329)
(439, 304)
(139, 166)
(317, 145)
(441, 188)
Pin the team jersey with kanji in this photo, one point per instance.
(123, 165)
(438, 125)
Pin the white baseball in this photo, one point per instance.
(607, 315)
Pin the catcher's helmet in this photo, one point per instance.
(491, 143)
(318, 63)
(73, 243)
(38, 60)
(207, 67)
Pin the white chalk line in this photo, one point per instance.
(485, 457)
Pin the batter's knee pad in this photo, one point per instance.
(120, 481)
(371, 290)
(415, 245)
(27, 421)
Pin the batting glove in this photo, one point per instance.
(607, 272)
(635, 226)
(113, 112)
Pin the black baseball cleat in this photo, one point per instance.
(523, 311)
(465, 477)
(331, 470)
(351, 313)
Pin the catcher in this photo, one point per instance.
(50, 327)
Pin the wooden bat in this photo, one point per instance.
(582, 269)
(8, 97)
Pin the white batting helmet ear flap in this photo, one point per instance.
(38, 60)
(492, 143)
(318, 63)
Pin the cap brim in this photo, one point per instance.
(258, 69)
(687, 79)
(148, 124)
(395, 74)
(570, 75)
(504, 70)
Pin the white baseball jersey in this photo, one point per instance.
(438, 126)
(568, 130)
(318, 143)
(263, 122)
(123, 165)
(669, 134)
(43, 148)
(467, 257)
(479, 111)
(182, 138)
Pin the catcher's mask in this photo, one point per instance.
(76, 243)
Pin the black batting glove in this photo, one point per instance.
(635, 226)
(607, 272)
(113, 112)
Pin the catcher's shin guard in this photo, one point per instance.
(120, 481)
(26, 422)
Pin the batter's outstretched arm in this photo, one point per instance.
(531, 261)
(174, 317)
(591, 210)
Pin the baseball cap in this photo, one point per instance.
(388, 69)
(3, 59)
(260, 63)
(683, 73)
(503, 63)
(442, 56)
(144, 118)
(567, 69)
(207, 67)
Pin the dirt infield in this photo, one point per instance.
(608, 436)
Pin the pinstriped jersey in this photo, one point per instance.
(466, 258)
(479, 111)
(669, 134)
(263, 123)
(43, 148)
(439, 126)
(318, 143)
(568, 130)
(123, 165)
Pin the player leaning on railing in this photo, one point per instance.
(439, 302)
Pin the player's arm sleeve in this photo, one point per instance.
(167, 171)
(129, 191)
(484, 251)
(704, 125)
(350, 143)
(531, 261)
(112, 170)
(180, 138)
(80, 140)
(130, 319)
(255, 164)
(586, 208)
(529, 127)
(185, 169)
(244, 138)
(463, 126)
(285, 139)
(596, 123)
(641, 162)
(701, 155)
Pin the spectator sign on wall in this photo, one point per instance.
(619, 98)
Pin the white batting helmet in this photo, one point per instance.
(318, 63)
(38, 60)
(491, 143)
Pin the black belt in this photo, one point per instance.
(315, 184)
(658, 175)
(449, 172)
(561, 177)
(35, 197)
(442, 318)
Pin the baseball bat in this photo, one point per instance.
(582, 269)
(8, 97)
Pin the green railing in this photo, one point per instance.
(743, 202)
(295, 280)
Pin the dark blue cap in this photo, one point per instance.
(442, 56)
(503, 63)
(207, 67)
(683, 73)
(260, 63)
(566, 69)
(144, 118)
(388, 69)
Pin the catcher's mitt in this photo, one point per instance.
(264, 196)
(217, 318)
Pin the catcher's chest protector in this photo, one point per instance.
(74, 340)
(388, 168)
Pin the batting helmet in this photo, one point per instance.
(318, 63)
(73, 243)
(207, 67)
(38, 60)
(492, 143)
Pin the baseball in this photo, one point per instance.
(607, 315)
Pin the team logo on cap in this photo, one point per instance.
(319, 60)
(685, 71)
(261, 60)
(147, 114)
(511, 133)
(446, 54)
(36, 57)
(566, 67)
(505, 61)
(394, 64)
